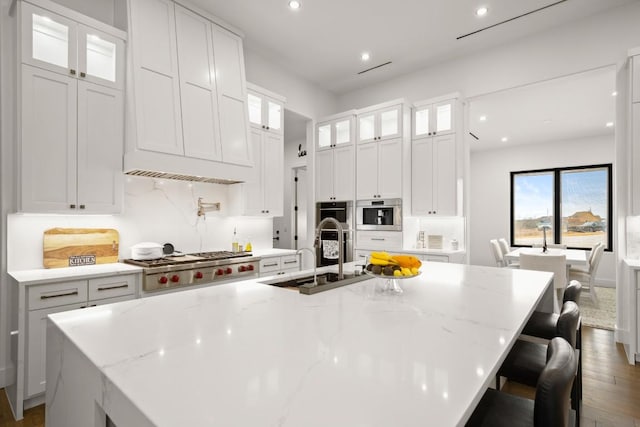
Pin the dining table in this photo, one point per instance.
(575, 257)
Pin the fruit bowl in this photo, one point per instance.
(391, 285)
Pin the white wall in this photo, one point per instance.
(491, 189)
(591, 43)
(303, 97)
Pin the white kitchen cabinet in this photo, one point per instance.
(65, 46)
(433, 174)
(335, 131)
(379, 123)
(379, 240)
(71, 113)
(276, 265)
(156, 79)
(431, 118)
(50, 298)
(190, 95)
(198, 95)
(266, 109)
(79, 168)
(262, 194)
(379, 169)
(335, 178)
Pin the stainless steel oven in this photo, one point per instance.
(379, 214)
(343, 212)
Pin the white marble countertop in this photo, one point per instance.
(43, 275)
(251, 354)
(273, 252)
(632, 263)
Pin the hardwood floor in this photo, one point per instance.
(611, 393)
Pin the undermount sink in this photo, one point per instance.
(326, 281)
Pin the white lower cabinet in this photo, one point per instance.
(383, 240)
(43, 300)
(272, 266)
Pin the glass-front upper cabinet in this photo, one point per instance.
(336, 132)
(430, 119)
(265, 110)
(64, 46)
(385, 123)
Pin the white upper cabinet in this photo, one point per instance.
(156, 82)
(71, 112)
(434, 119)
(266, 110)
(335, 132)
(433, 174)
(232, 97)
(64, 46)
(199, 99)
(380, 124)
(379, 170)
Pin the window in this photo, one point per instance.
(571, 205)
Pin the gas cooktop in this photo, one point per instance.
(187, 258)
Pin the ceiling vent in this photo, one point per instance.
(374, 68)
(511, 19)
(180, 177)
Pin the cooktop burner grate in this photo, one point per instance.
(221, 254)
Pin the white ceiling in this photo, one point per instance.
(322, 41)
(561, 109)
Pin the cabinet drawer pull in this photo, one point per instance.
(291, 262)
(271, 265)
(378, 238)
(108, 288)
(68, 294)
(83, 74)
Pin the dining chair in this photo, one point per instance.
(588, 277)
(505, 248)
(551, 404)
(497, 252)
(526, 360)
(556, 264)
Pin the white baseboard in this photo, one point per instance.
(7, 375)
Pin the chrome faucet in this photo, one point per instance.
(313, 253)
(340, 241)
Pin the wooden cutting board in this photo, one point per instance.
(71, 247)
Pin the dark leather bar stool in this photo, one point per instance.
(526, 360)
(544, 325)
(551, 404)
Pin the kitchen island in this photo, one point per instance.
(251, 354)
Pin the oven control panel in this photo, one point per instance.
(199, 275)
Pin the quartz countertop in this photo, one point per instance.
(632, 263)
(273, 252)
(247, 353)
(43, 275)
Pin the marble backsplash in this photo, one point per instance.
(154, 210)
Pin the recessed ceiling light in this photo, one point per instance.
(481, 11)
(365, 56)
(294, 4)
(482, 118)
(614, 93)
(609, 124)
(504, 139)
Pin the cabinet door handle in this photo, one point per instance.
(72, 206)
(67, 294)
(291, 262)
(271, 265)
(83, 74)
(107, 288)
(82, 206)
(378, 239)
(72, 72)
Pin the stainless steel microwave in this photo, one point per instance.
(379, 214)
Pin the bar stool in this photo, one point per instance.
(526, 360)
(551, 404)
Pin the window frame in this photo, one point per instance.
(557, 205)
